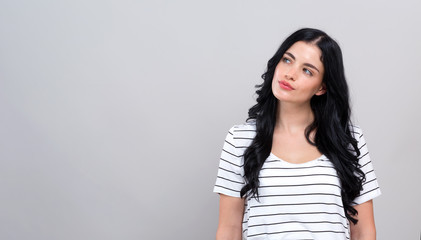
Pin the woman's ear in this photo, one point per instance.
(322, 90)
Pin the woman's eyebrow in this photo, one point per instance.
(290, 54)
(305, 64)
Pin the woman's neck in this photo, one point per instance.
(293, 118)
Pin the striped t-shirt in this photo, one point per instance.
(296, 201)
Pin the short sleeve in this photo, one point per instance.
(230, 180)
(371, 187)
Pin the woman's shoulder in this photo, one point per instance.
(243, 133)
(356, 130)
(248, 127)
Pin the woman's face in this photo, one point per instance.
(299, 74)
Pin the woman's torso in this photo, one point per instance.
(296, 201)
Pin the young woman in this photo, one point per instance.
(298, 168)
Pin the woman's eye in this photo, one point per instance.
(286, 60)
(306, 71)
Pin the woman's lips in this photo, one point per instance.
(285, 85)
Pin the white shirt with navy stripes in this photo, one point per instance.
(297, 201)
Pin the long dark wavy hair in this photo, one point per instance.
(332, 121)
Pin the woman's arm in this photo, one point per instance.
(365, 228)
(231, 210)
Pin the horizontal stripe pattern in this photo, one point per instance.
(297, 201)
(371, 187)
(230, 178)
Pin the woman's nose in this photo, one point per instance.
(290, 74)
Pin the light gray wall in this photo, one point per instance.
(113, 113)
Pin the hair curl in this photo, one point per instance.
(332, 121)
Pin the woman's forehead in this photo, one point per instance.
(303, 51)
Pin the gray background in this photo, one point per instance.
(114, 113)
